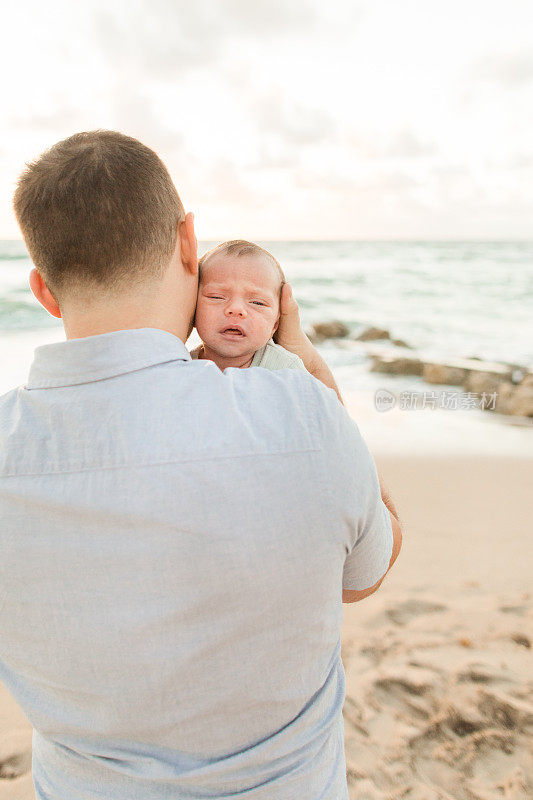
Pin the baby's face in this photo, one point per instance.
(237, 292)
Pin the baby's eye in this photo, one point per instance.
(258, 303)
(214, 297)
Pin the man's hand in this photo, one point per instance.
(291, 336)
(289, 333)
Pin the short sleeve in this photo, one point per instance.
(370, 557)
(356, 498)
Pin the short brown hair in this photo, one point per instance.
(97, 208)
(240, 247)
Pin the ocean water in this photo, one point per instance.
(462, 298)
(445, 299)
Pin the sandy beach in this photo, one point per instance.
(438, 662)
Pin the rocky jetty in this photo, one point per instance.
(335, 329)
(510, 383)
(473, 375)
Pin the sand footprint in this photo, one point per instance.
(510, 609)
(506, 711)
(15, 753)
(521, 639)
(407, 690)
(16, 765)
(480, 672)
(402, 613)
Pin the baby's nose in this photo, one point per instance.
(236, 308)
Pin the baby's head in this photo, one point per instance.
(239, 287)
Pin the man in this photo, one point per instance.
(175, 540)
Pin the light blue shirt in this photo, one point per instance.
(173, 544)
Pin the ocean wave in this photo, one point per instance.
(21, 315)
(13, 250)
(457, 298)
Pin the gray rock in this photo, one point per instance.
(503, 397)
(444, 374)
(328, 330)
(401, 343)
(521, 400)
(480, 382)
(397, 366)
(371, 334)
(504, 371)
(515, 400)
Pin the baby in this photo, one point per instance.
(238, 308)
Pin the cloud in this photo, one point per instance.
(277, 114)
(134, 114)
(162, 38)
(518, 161)
(406, 145)
(507, 69)
(264, 17)
(275, 157)
(223, 183)
(372, 184)
(60, 114)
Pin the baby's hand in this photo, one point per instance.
(289, 333)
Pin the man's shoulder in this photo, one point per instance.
(282, 381)
(291, 391)
(293, 407)
(8, 399)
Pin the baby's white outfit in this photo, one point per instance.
(270, 356)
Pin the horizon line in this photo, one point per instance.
(357, 241)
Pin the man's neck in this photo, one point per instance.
(160, 305)
(78, 326)
(240, 362)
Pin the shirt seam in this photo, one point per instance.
(94, 377)
(166, 461)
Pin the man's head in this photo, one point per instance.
(240, 288)
(102, 221)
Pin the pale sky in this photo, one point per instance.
(356, 119)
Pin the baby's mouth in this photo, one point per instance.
(232, 332)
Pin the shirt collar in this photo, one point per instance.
(106, 355)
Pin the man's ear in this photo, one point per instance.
(188, 243)
(43, 293)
